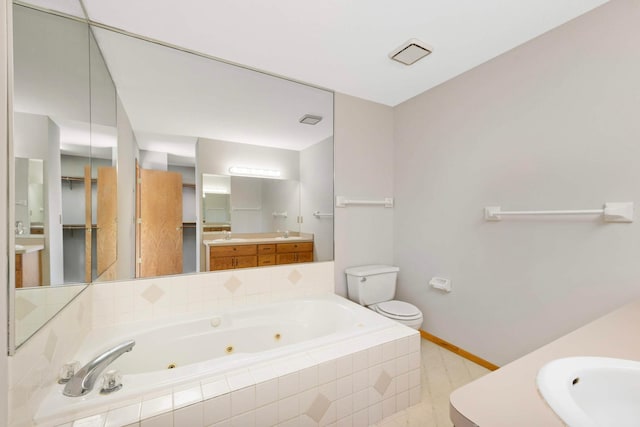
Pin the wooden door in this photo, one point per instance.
(107, 233)
(159, 223)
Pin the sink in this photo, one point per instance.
(229, 240)
(288, 238)
(592, 391)
(19, 247)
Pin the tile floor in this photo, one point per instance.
(442, 372)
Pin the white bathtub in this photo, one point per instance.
(168, 354)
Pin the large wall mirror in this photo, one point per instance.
(131, 155)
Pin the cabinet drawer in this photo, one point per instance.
(267, 259)
(266, 249)
(232, 250)
(284, 248)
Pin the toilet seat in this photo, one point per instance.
(398, 310)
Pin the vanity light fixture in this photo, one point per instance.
(411, 52)
(310, 119)
(263, 173)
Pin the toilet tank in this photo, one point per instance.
(371, 284)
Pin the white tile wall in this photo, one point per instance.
(36, 364)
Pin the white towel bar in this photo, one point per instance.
(342, 202)
(279, 214)
(319, 214)
(612, 212)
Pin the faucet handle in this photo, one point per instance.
(112, 381)
(67, 371)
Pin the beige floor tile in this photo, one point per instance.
(441, 372)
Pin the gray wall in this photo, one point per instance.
(37, 137)
(363, 169)
(552, 124)
(127, 155)
(316, 184)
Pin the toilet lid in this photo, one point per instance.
(399, 309)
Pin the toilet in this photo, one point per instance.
(374, 286)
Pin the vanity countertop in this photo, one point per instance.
(25, 249)
(253, 240)
(509, 396)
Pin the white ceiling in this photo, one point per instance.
(172, 97)
(343, 45)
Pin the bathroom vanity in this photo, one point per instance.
(509, 396)
(29, 265)
(257, 250)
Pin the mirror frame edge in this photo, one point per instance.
(11, 238)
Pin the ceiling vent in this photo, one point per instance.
(410, 52)
(309, 119)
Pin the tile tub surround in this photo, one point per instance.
(112, 303)
(36, 364)
(164, 297)
(373, 377)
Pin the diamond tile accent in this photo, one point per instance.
(383, 382)
(232, 284)
(318, 407)
(24, 307)
(294, 277)
(50, 346)
(153, 293)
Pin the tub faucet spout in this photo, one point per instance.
(84, 380)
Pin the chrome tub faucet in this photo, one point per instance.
(84, 380)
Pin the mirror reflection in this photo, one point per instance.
(154, 161)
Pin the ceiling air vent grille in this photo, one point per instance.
(410, 52)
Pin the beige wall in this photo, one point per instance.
(552, 124)
(363, 169)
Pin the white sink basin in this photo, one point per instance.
(592, 391)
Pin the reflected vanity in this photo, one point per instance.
(145, 165)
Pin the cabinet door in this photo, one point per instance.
(286, 258)
(305, 256)
(18, 270)
(246, 261)
(221, 263)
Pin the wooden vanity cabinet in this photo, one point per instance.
(267, 254)
(290, 253)
(28, 269)
(228, 257)
(233, 256)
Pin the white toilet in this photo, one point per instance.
(374, 286)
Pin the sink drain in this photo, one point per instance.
(229, 349)
(277, 336)
(171, 366)
(575, 381)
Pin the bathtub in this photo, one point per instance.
(190, 350)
